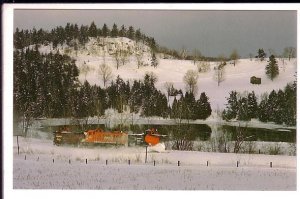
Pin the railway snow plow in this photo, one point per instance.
(154, 139)
(106, 137)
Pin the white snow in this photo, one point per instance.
(71, 171)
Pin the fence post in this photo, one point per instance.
(178, 163)
(207, 163)
(128, 162)
(237, 163)
(69, 161)
(18, 144)
(53, 160)
(25, 157)
(271, 164)
(146, 154)
(154, 163)
(106, 162)
(85, 161)
(38, 158)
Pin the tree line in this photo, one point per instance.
(279, 106)
(73, 35)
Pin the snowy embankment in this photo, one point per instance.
(85, 168)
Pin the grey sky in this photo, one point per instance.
(212, 32)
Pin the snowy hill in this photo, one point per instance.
(102, 50)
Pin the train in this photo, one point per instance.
(62, 136)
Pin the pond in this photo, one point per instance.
(195, 132)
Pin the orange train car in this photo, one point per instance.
(100, 136)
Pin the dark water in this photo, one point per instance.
(260, 134)
(194, 132)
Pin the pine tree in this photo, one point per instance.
(138, 35)
(280, 109)
(252, 105)
(122, 32)
(203, 108)
(242, 114)
(290, 106)
(105, 31)
(272, 106)
(272, 70)
(261, 54)
(231, 107)
(130, 33)
(93, 30)
(114, 31)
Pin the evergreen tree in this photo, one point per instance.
(203, 108)
(114, 31)
(130, 33)
(280, 109)
(272, 70)
(272, 106)
(105, 31)
(138, 35)
(83, 36)
(93, 30)
(261, 54)
(231, 107)
(136, 96)
(290, 106)
(252, 105)
(123, 31)
(262, 109)
(242, 113)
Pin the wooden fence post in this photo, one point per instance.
(178, 163)
(271, 164)
(154, 163)
(146, 154)
(207, 163)
(18, 144)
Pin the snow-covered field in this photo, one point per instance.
(171, 70)
(71, 171)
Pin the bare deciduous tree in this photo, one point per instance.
(234, 57)
(190, 79)
(203, 66)
(219, 75)
(138, 54)
(105, 73)
(196, 55)
(289, 52)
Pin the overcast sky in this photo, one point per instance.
(214, 33)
